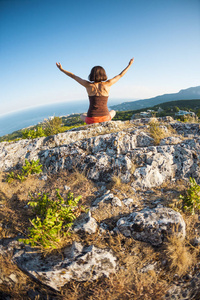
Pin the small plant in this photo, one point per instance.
(189, 118)
(10, 177)
(33, 133)
(53, 126)
(49, 127)
(156, 132)
(191, 199)
(31, 167)
(53, 219)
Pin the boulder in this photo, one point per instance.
(152, 225)
(78, 262)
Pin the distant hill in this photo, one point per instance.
(193, 104)
(187, 94)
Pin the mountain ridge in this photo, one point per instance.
(184, 94)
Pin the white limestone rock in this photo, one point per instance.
(152, 225)
(85, 223)
(101, 154)
(77, 262)
(127, 201)
(144, 140)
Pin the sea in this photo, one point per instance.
(28, 117)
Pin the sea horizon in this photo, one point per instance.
(24, 118)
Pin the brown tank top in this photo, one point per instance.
(98, 106)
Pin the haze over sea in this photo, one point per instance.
(32, 116)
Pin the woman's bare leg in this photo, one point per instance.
(112, 114)
(83, 116)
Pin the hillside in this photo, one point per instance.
(186, 94)
(192, 104)
(133, 236)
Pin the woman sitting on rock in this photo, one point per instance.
(98, 88)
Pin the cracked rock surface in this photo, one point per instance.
(77, 262)
(152, 225)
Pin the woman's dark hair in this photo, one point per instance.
(97, 74)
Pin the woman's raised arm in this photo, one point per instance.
(116, 78)
(78, 79)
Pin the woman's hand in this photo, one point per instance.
(131, 61)
(59, 66)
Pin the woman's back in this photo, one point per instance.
(98, 89)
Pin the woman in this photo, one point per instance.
(98, 88)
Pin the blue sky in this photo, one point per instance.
(163, 37)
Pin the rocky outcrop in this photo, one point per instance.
(125, 149)
(128, 152)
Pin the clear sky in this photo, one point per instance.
(162, 35)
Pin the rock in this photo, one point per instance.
(148, 268)
(85, 223)
(101, 153)
(116, 201)
(188, 291)
(144, 140)
(43, 177)
(77, 262)
(109, 198)
(152, 225)
(106, 197)
(13, 277)
(172, 140)
(196, 241)
(128, 201)
(66, 188)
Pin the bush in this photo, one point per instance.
(33, 133)
(191, 199)
(31, 167)
(50, 127)
(53, 219)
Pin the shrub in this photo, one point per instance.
(189, 119)
(33, 133)
(31, 167)
(52, 126)
(53, 219)
(49, 127)
(191, 199)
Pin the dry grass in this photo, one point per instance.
(156, 132)
(122, 189)
(180, 255)
(129, 282)
(132, 280)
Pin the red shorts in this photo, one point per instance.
(91, 120)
